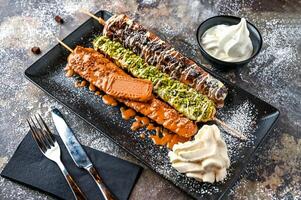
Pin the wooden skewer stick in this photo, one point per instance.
(99, 19)
(64, 45)
(229, 129)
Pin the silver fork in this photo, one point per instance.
(51, 149)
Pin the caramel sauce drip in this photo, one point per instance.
(135, 126)
(92, 87)
(169, 139)
(150, 127)
(79, 84)
(163, 137)
(127, 113)
(107, 99)
(164, 115)
(83, 83)
(69, 73)
(144, 121)
(139, 123)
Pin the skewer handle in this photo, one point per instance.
(99, 19)
(231, 130)
(64, 45)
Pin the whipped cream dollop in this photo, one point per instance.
(205, 158)
(228, 43)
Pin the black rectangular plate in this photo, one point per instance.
(48, 74)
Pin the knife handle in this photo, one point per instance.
(77, 193)
(108, 195)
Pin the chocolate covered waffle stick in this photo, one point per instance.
(158, 53)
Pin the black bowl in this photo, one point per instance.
(228, 20)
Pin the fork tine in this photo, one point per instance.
(39, 134)
(44, 133)
(35, 137)
(50, 135)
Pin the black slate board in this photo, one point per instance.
(47, 73)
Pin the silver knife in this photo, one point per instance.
(77, 152)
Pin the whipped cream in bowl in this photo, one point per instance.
(205, 158)
(228, 41)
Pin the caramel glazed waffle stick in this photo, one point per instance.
(93, 70)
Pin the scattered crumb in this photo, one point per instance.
(36, 50)
(58, 19)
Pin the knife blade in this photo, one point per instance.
(74, 148)
(76, 151)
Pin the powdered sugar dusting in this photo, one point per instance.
(278, 66)
(241, 118)
(35, 26)
(234, 7)
(70, 7)
(17, 32)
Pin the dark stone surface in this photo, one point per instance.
(274, 76)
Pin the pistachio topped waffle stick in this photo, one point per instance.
(186, 100)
